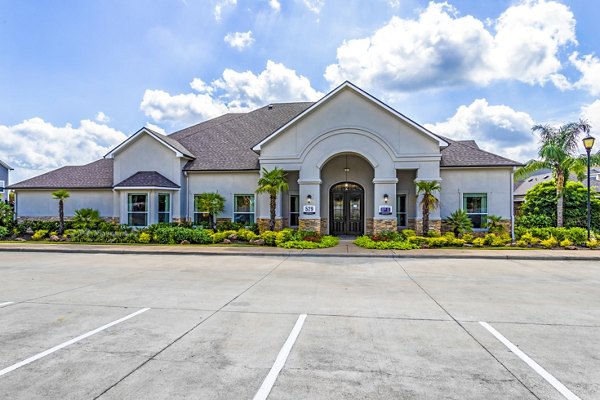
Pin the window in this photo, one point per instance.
(401, 210)
(164, 207)
(475, 204)
(137, 209)
(200, 217)
(243, 208)
(294, 210)
(2, 184)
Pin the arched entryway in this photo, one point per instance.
(347, 205)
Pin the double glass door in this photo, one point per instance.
(346, 213)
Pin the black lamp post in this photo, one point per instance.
(588, 143)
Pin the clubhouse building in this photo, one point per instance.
(352, 164)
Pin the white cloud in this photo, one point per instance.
(102, 118)
(591, 112)
(156, 128)
(239, 40)
(35, 146)
(589, 66)
(441, 48)
(221, 4)
(496, 128)
(275, 5)
(314, 6)
(234, 91)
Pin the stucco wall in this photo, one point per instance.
(147, 154)
(406, 185)
(495, 182)
(227, 184)
(3, 177)
(39, 203)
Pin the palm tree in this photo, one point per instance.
(61, 195)
(272, 182)
(429, 202)
(211, 203)
(559, 153)
(459, 222)
(494, 224)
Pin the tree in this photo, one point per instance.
(459, 222)
(539, 209)
(429, 202)
(6, 214)
(61, 195)
(86, 218)
(559, 153)
(211, 203)
(272, 182)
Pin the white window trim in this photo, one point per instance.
(197, 212)
(169, 212)
(485, 214)
(147, 212)
(253, 212)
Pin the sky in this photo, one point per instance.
(78, 77)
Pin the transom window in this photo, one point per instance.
(401, 210)
(137, 209)
(475, 204)
(294, 209)
(243, 210)
(164, 207)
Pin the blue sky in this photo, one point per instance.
(78, 77)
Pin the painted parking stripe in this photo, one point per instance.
(535, 366)
(269, 381)
(6, 303)
(69, 342)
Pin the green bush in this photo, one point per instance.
(408, 233)
(325, 241)
(566, 243)
(144, 237)
(3, 231)
(246, 235)
(549, 243)
(269, 237)
(459, 222)
(218, 237)
(592, 243)
(286, 235)
(40, 234)
(367, 243)
(6, 215)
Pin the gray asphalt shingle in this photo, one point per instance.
(147, 179)
(98, 174)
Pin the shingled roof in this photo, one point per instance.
(95, 175)
(225, 143)
(466, 153)
(147, 179)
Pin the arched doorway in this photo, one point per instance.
(346, 209)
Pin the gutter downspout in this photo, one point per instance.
(512, 205)
(187, 195)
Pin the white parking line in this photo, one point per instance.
(68, 343)
(6, 303)
(269, 381)
(536, 367)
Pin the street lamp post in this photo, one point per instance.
(588, 143)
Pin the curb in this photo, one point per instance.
(476, 256)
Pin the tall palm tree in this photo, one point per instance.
(272, 182)
(61, 195)
(559, 153)
(429, 202)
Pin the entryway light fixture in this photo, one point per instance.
(308, 199)
(385, 198)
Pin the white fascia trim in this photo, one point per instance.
(114, 151)
(358, 90)
(147, 188)
(385, 180)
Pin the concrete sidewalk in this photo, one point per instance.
(345, 249)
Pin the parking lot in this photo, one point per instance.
(87, 326)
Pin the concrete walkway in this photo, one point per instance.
(344, 249)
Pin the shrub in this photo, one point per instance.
(468, 238)
(408, 233)
(3, 231)
(549, 243)
(86, 218)
(433, 234)
(577, 235)
(246, 235)
(325, 241)
(592, 243)
(286, 235)
(269, 237)
(438, 241)
(566, 243)
(218, 237)
(144, 237)
(6, 215)
(367, 243)
(459, 222)
(40, 234)
(479, 242)
(418, 240)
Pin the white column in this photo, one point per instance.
(382, 187)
